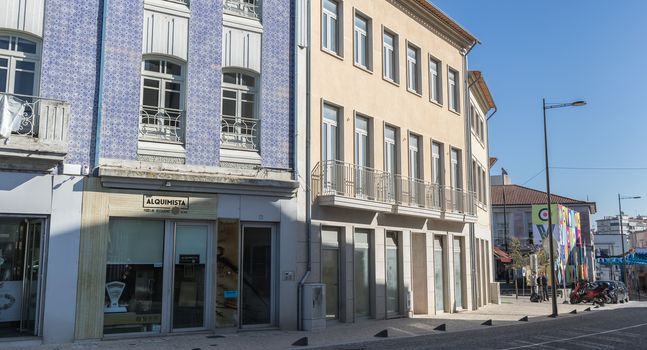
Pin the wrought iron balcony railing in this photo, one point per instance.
(37, 117)
(240, 133)
(161, 124)
(459, 201)
(32, 127)
(349, 180)
(244, 8)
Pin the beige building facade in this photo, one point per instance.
(396, 174)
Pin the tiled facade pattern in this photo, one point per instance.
(70, 65)
(71, 68)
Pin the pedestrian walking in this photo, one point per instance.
(534, 294)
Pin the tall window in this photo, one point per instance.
(362, 161)
(436, 163)
(414, 156)
(435, 87)
(162, 111)
(240, 124)
(19, 64)
(362, 41)
(330, 26)
(329, 133)
(413, 80)
(390, 58)
(390, 159)
(452, 77)
(361, 142)
(456, 173)
(329, 146)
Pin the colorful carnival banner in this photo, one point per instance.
(567, 237)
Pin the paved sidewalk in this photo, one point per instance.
(507, 313)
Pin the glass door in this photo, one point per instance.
(21, 242)
(361, 277)
(439, 274)
(458, 274)
(392, 273)
(257, 280)
(330, 270)
(190, 276)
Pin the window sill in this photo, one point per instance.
(239, 156)
(414, 92)
(454, 111)
(365, 69)
(332, 53)
(393, 82)
(439, 104)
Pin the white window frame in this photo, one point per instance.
(456, 169)
(453, 88)
(362, 142)
(362, 41)
(12, 55)
(330, 42)
(330, 134)
(437, 163)
(162, 78)
(413, 69)
(435, 81)
(415, 169)
(390, 57)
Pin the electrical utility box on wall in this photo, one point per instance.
(314, 306)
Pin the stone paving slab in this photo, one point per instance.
(507, 313)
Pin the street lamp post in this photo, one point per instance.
(550, 215)
(622, 236)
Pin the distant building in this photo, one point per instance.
(608, 240)
(512, 217)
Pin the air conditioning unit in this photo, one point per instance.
(314, 306)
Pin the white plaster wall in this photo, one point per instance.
(22, 193)
(62, 260)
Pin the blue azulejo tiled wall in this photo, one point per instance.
(276, 113)
(203, 89)
(121, 82)
(69, 68)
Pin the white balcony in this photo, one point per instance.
(240, 133)
(36, 132)
(243, 8)
(339, 184)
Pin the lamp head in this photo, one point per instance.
(578, 103)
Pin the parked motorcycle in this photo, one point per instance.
(595, 293)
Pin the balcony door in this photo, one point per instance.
(414, 170)
(361, 157)
(390, 161)
(162, 101)
(330, 149)
(240, 126)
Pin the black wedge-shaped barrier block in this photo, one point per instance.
(574, 312)
(301, 342)
(442, 328)
(524, 319)
(587, 309)
(382, 334)
(487, 323)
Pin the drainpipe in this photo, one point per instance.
(470, 184)
(302, 281)
(102, 60)
(491, 257)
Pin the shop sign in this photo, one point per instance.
(165, 202)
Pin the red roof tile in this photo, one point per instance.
(519, 195)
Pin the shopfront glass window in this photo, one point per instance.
(362, 272)
(133, 290)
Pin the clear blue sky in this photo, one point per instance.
(564, 51)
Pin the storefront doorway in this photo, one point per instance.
(158, 275)
(393, 273)
(21, 253)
